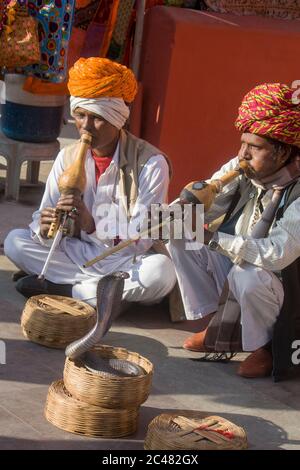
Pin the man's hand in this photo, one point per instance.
(78, 211)
(48, 216)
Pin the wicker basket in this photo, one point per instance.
(55, 321)
(173, 432)
(77, 417)
(109, 392)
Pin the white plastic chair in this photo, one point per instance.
(16, 152)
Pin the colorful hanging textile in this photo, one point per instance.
(83, 3)
(41, 87)
(110, 25)
(153, 3)
(100, 30)
(19, 39)
(55, 19)
(287, 9)
(121, 31)
(85, 11)
(93, 25)
(174, 3)
(3, 14)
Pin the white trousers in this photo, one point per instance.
(151, 277)
(201, 275)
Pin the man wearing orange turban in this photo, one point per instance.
(125, 175)
(253, 258)
(103, 87)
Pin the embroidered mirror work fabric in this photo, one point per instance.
(94, 21)
(287, 9)
(121, 33)
(55, 18)
(3, 14)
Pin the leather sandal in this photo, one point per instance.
(258, 364)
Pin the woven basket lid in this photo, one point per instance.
(55, 321)
(178, 432)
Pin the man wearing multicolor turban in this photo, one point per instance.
(240, 285)
(124, 176)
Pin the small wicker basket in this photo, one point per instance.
(109, 392)
(78, 417)
(173, 432)
(55, 321)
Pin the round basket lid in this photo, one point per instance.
(177, 432)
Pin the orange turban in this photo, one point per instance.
(97, 77)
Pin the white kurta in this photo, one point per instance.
(29, 250)
(153, 187)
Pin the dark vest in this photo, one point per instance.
(287, 326)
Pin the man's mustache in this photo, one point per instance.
(248, 168)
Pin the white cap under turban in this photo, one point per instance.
(114, 110)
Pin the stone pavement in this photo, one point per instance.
(270, 413)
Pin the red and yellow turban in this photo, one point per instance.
(270, 110)
(97, 77)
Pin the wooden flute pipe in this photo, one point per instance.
(73, 179)
(124, 244)
(201, 192)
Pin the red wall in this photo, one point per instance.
(195, 69)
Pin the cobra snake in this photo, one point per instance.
(109, 295)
